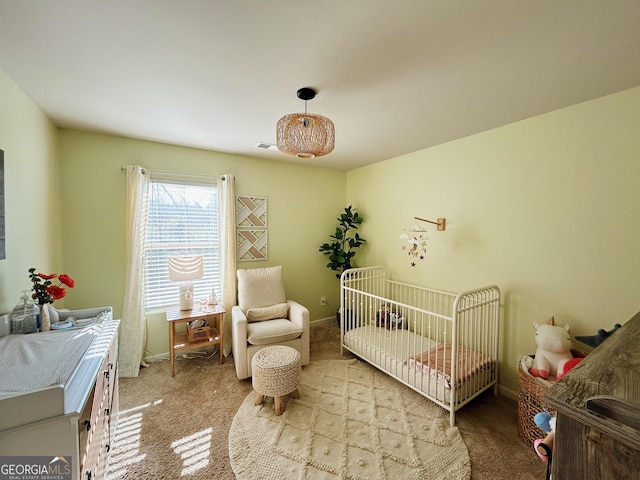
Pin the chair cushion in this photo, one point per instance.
(260, 287)
(268, 313)
(273, 331)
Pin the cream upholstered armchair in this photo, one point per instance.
(264, 317)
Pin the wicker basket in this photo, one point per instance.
(199, 334)
(530, 401)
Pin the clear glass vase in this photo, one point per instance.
(24, 316)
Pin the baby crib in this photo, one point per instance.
(442, 345)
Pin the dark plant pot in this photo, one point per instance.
(349, 319)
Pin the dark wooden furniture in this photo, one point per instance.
(598, 411)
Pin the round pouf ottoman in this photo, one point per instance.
(276, 373)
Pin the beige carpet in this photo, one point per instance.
(351, 421)
(178, 427)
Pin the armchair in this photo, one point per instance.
(264, 317)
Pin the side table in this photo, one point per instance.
(213, 314)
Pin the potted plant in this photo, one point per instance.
(345, 241)
(342, 249)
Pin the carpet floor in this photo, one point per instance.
(351, 421)
(171, 428)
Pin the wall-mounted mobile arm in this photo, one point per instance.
(441, 223)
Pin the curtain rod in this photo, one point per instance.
(193, 175)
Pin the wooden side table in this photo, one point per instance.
(213, 314)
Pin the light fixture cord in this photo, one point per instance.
(305, 120)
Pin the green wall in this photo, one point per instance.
(546, 208)
(32, 193)
(302, 204)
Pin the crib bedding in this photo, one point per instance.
(437, 362)
(401, 353)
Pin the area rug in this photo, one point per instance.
(351, 421)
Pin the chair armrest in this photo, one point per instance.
(238, 322)
(239, 341)
(298, 315)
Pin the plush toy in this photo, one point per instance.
(598, 338)
(568, 366)
(544, 446)
(388, 318)
(554, 350)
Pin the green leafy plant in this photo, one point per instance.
(345, 240)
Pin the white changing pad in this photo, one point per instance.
(32, 362)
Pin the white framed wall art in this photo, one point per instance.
(252, 237)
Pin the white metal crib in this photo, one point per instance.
(442, 345)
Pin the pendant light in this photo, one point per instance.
(305, 135)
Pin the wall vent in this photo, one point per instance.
(266, 146)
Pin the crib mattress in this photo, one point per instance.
(398, 353)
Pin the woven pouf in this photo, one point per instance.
(276, 373)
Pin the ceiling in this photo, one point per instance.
(394, 76)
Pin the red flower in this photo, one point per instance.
(56, 292)
(43, 290)
(66, 279)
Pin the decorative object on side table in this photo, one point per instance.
(45, 292)
(184, 269)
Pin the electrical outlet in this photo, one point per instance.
(323, 300)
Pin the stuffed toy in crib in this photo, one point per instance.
(386, 317)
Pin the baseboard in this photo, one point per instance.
(507, 392)
(323, 321)
(157, 357)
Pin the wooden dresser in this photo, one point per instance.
(598, 411)
(75, 418)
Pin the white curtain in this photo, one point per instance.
(227, 235)
(133, 322)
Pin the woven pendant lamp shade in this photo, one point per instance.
(305, 135)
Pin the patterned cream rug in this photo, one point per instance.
(351, 421)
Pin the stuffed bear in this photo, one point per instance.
(554, 350)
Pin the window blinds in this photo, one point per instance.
(182, 220)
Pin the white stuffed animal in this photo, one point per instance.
(554, 349)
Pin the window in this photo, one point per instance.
(182, 220)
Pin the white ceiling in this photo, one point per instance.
(395, 76)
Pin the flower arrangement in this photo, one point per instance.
(43, 289)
